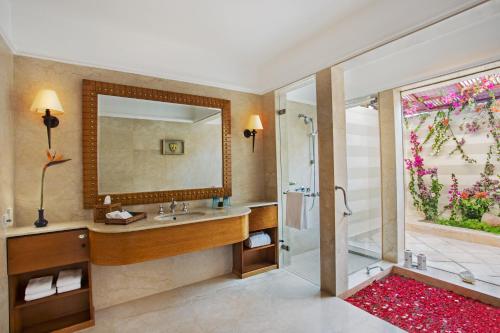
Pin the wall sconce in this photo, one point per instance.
(253, 125)
(46, 101)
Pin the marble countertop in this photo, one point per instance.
(149, 223)
(238, 209)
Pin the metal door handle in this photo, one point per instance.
(349, 211)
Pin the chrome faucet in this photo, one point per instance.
(160, 210)
(173, 205)
(368, 269)
(185, 207)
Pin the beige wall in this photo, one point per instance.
(114, 285)
(476, 146)
(130, 158)
(6, 167)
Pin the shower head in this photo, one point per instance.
(307, 119)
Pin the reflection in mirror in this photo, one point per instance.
(148, 146)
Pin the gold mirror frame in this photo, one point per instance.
(91, 196)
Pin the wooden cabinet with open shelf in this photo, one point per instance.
(43, 255)
(252, 261)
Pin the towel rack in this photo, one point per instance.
(307, 194)
(349, 211)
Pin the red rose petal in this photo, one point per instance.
(417, 307)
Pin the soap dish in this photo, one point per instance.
(136, 216)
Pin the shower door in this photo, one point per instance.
(364, 229)
(299, 173)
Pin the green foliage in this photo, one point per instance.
(430, 204)
(470, 224)
(474, 208)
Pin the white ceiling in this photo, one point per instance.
(245, 45)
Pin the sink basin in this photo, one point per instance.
(177, 216)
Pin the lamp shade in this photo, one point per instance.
(47, 99)
(254, 122)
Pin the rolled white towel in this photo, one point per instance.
(69, 277)
(258, 239)
(39, 285)
(32, 297)
(119, 215)
(69, 287)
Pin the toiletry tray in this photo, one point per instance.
(136, 216)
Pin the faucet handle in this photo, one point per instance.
(185, 206)
(160, 210)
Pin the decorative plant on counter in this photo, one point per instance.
(53, 159)
(425, 198)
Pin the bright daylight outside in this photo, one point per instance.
(451, 154)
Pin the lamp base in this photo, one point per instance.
(247, 133)
(41, 222)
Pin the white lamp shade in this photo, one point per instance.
(254, 123)
(47, 99)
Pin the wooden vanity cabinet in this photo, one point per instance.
(252, 261)
(47, 254)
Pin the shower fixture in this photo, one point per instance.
(312, 156)
(307, 119)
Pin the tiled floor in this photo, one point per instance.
(454, 255)
(307, 266)
(277, 301)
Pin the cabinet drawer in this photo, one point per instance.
(263, 218)
(31, 253)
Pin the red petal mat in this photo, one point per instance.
(417, 307)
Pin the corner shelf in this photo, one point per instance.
(258, 248)
(252, 261)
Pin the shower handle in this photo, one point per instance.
(349, 211)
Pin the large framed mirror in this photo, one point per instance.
(143, 146)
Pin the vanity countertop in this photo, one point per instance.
(149, 223)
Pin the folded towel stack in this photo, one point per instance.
(68, 280)
(39, 288)
(257, 239)
(119, 215)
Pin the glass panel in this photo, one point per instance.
(452, 159)
(363, 183)
(299, 181)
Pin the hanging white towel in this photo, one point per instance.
(39, 285)
(69, 277)
(296, 211)
(46, 293)
(69, 287)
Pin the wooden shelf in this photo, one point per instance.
(258, 268)
(69, 323)
(252, 261)
(22, 303)
(66, 312)
(248, 249)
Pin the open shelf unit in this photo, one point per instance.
(252, 261)
(65, 312)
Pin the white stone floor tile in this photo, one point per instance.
(277, 301)
(453, 255)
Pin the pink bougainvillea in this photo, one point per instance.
(418, 307)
